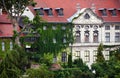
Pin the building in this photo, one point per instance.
(95, 22)
(6, 30)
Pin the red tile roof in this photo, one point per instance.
(69, 8)
(4, 18)
(6, 30)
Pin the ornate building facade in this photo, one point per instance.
(95, 22)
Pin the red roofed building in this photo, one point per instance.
(95, 22)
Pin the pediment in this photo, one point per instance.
(85, 16)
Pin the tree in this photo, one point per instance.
(15, 9)
(14, 63)
(100, 57)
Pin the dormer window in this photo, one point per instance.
(39, 10)
(48, 11)
(86, 16)
(113, 11)
(103, 11)
(59, 11)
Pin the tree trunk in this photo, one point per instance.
(16, 31)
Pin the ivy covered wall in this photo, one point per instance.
(54, 37)
(6, 42)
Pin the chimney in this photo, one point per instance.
(0, 11)
(78, 6)
(93, 7)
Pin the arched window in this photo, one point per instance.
(86, 35)
(86, 16)
(95, 36)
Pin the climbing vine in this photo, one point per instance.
(53, 37)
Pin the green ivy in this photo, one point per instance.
(7, 46)
(61, 31)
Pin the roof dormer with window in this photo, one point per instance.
(59, 11)
(48, 11)
(112, 11)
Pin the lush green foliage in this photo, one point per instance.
(7, 47)
(100, 57)
(110, 68)
(13, 64)
(41, 72)
(70, 60)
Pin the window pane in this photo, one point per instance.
(64, 57)
(107, 37)
(86, 56)
(107, 27)
(117, 37)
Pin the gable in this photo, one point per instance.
(86, 17)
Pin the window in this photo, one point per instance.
(54, 40)
(95, 36)
(77, 54)
(117, 37)
(103, 11)
(11, 45)
(117, 27)
(59, 11)
(94, 55)
(64, 57)
(39, 10)
(86, 36)
(86, 16)
(3, 46)
(107, 37)
(107, 27)
(106, 55)
(87, 56)
(48, 11)
(77, 37)
(113, 11)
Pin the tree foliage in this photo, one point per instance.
(15, 9)
(13, 64)
(100, 57)
(110, 68)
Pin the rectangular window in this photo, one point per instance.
(117, 27)
(95, 37)
(86, 37)
(94, 55)
(11, 45)
(64, 57)
(107, 37)
(77, 37)
(106, 55)
(103, 12)
(113, 12)
(77, 54)
(3, 46)
(107, 27)
(117, 37)
(86, 56)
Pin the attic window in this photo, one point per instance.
(59, 11)
(103, 11)
(86, 16)
(48, 11)
(39, 10)
(113, 11)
